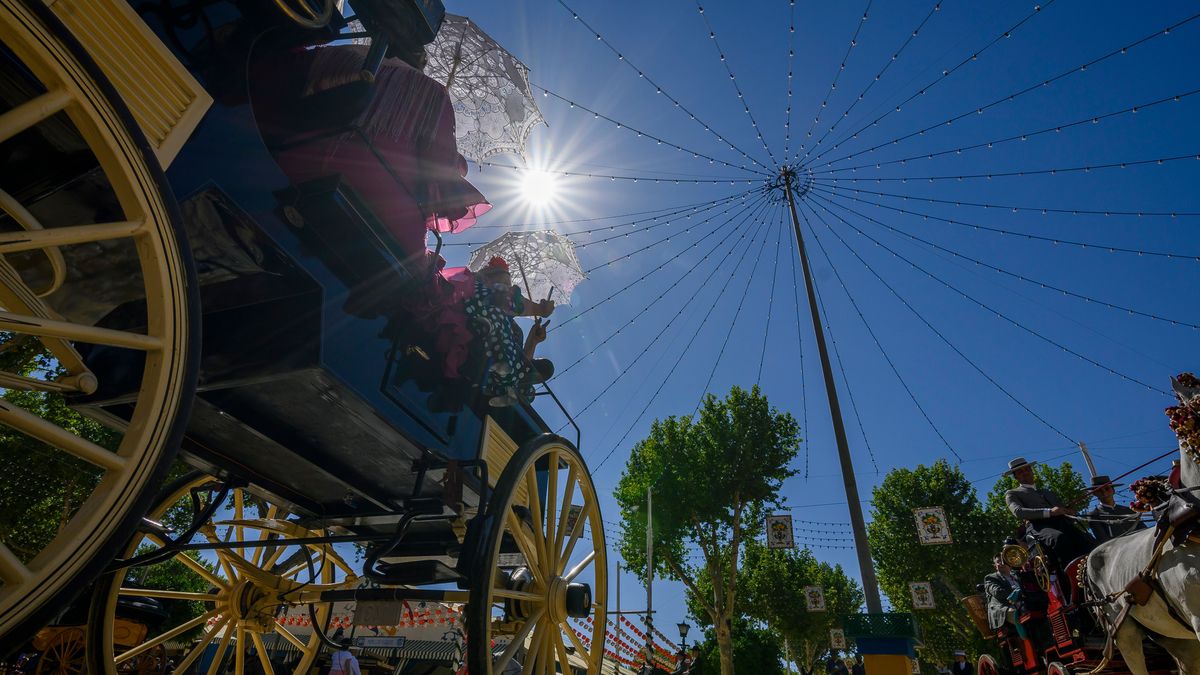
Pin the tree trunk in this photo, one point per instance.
(725, 645)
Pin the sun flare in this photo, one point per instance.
(539, 188)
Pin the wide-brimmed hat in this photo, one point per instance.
(1018, 463)
(959, 652)
(1101, 481)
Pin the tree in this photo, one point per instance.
(773, 582)
(755, 650)
(978, 530)
(715, 478)
(953, 569)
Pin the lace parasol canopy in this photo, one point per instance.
(540, 262)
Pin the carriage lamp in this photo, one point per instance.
(683, 631)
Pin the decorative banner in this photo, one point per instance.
(916, 667)
(932, 527)
(815, 597)
(922, 595)
(837, 638)
(779, 532)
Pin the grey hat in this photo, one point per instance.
(1018, 463)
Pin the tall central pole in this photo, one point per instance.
(866, 567)
(649, 582)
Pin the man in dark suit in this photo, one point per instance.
(1110, 519)
(999, 587)
(1049, 521)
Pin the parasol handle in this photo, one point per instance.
(521, 268)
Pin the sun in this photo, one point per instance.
(539, 188)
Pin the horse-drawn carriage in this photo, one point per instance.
(1129, 607)
(160, 272)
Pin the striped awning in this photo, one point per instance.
(430, 650)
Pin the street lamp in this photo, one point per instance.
(683, 631)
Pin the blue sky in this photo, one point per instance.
(669, 42)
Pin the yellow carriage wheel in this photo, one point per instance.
(113, 484)
(254, 590)
(540, 572)
(63, 654)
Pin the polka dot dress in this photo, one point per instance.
(507, 372)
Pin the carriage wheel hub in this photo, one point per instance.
(254, 606)
(569, 600)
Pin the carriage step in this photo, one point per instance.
(416, 573)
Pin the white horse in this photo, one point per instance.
(1117, 562)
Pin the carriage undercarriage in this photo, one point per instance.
(301, 405)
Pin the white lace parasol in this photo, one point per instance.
(543, 260)
(494, 109)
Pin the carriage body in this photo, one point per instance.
(311, 391)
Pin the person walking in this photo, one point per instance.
(342, 662)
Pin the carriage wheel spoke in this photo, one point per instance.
(268, 536)
(238, 514)
(579, 644)
(13, 242)
(51, 434)
(575, 532)
(287, 635)
(159, 639)
(75, 332)
(531, 654)
(12, 570)
(263, 659)
(535, 509)
(168, 595)
(564, 514)
(32, 111)
(199, 649)
(517, 641)
(194, 565)
(524, 596)
(561, 650)
(551, 507)
(239, 656)
(587, 560)
(219, 655)
(528, 549)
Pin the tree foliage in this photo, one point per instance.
(714, 478)
(755, 650)
(979, 530)
(773, 582)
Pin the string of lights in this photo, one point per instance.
(1030, 209)
(1058, 128)
(760, 204)
(633, 283)
(658, 140)
(874, 337)
(996, 230)
(678, 360)
(837, 356)
(683, 214)
(762, 355)
(729, 206)
(1042, 83)
(712, 35)
(761, 229)
(1035, 282)
(787, 122)
(942, 337)
(658, 89)
(660, 211)
(664, 240)
(1087, 168)
(800, 355)
(981, 304)
(946, 73)
(732, 324)
(888, 64)
(635, 179)
(833, 84)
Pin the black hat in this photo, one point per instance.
(1101, 481)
